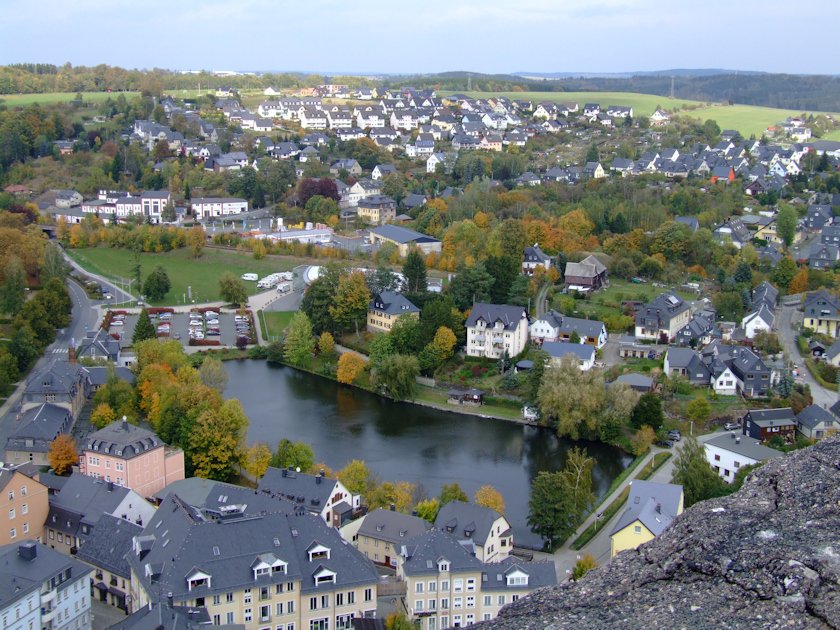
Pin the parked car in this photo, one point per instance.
(674, 435)
(731, 426)
(107, 296)
(212, 322)
(117, 322)
(665, 444)
(165, 316)
(210, 315)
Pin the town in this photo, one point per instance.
(366, 355)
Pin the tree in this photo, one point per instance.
(257, 459)
(350, 366)
(397, 620)
(326, 344)
(382, 279)
(799, 283)
(571, 399)
(13, 287)
(294, 454)
(592, 153)
(583, 566)
(215, 445)
(299, 340)
(399, 494)
(350, 303)
(743, 273)
(414, 270)
(698, 410)
(487, 496)
(452, 492)
(694, 473)
(63, 455)
(356, 477)
(144, 329)
(232, 289)
(319, 297)
(157, 284)
(54, 264)
(398, 375)
(648, 411)
(786, 221)
(196, 239)
(641, 440)
(213, 374)
(406, 335)
(380, 347)
(102, 415)
(428, 509)
(470, 285)
(783, 273)
(729, 305)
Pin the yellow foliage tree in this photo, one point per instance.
(799, 284)
(350, 367)
(487, 496)
(317, 467)
(641, 440)
(444, 342)
(63, 455)
(102, 415)
(257, 459)
(326, 343)
(196, 240)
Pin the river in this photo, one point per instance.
(401, 441)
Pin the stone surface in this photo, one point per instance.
(765, 557)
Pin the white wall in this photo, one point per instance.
(726, 464)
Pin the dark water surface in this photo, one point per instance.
(400, 441)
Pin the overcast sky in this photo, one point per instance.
(408, 36)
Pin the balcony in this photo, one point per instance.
(49, 596)
(48, 614)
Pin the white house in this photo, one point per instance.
(207, 207)
(496, 329)
(535, 257)
(727, 383)
(729, 452)
(328, 498)
(758, 321)
(583, 354)
(554, 326)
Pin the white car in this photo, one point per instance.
(251, 277)
(117, 322)
(197, 335)
(210, 314)
(212, 322)
(196, 324)
(165, 316)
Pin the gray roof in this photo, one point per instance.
(20, 576)
(99, 343)
(560, 349)
(315, 490)
(179, 541)
(589, 267)
(681, 357)
(654, 504)
(635, 380)
(771, 417)
(508, 315)
(466, 520)
(392, 303)
(746, 447)
(108, 543)
(659, 311)
(43, 422)
(193, 490)
(533, 253)
(84, 500)
(123, 439)
(814, 415)
(402, 235)
(98, 374)
(57, 377)
(392, 526)
(161, 616)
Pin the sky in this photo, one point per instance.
(426, 36)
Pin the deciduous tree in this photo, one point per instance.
(694, 473)
(232, 289)
(571, 399)
(216, 441)
(399, 494)
(641, 440)
(102, 415)
(257, 459)
(350, 303)
(63, 455)
(428, 509)
(213, 373)
(294, 454)
(583, 566)
(698, 410)
(326, 344)
(648, 411)
(452, 492)
(786, 221)
(489, 497)
(397, 374)
(299, 340)
(350, 367)
(13, 287)
(196, 239)
(356, 477)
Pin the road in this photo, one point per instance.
(108, 285)
(787, 325)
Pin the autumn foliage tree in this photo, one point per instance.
(196, 238)
(102, 415)
(350, 367)
(63, 455)
(487, 496)
(257, 459)
(799, 284)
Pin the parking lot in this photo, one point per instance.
(179, 328)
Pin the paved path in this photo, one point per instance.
(787, 326)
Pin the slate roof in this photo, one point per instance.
(765, 293)
(747, 447)
(819, 301)
(467, 520)
(658, 312)
(293, 485)
(123, 439)
(589, 267)
(814, 415)
(654, 504)
(391, 526)
(533, 253)
(84, 500)
(771, 417)
(57, 377)
(508, 315)
(43, 422)
(108, 543)
(635, 381)
(392, 303)
(99, 343)
(402, 235)
(98, 374)
(161, 616)
(559, 349)
(19, 576)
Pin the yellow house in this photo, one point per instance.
(385, 308)
(651, 507)
(822, 313)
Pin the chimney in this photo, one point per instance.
(737, 440)
(125, 423)
(110, 486)
(318, 479)
(283, 472)
(28, 550)
(659, 508)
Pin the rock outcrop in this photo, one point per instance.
(765, 557)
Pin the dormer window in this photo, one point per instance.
(443, 566)
(318, 552)
(324, 576)
(517, 578)
(197, 579)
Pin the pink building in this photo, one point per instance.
(133, 457)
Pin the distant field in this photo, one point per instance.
(202, 274)
(21, 100)
(747, 119)
(833, 135)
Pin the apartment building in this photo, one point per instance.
(496, 329)
(24, 504)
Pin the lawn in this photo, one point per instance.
(202, 274)
(21, 100)
(608, 301)
(275, 323)
(747, 119)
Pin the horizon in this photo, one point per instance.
(602, 37)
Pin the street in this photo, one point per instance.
(788, 323)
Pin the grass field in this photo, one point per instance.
(747, 119)
(202, 274)
(276, 322)
(21, 100)
(608, 301)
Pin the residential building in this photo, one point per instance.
(496, 330)
(380, 534)
(386, 307)
(582, 354)
(350, 165)
(535, 257)
(488, 530)
(104, 550)
(41, 588)
(738, 370)
(818, 216)
(733, 231)
(254, 568)
(153, 203)
(208, 207)
(381, 171)
(651, 507)
(24, 504)
(760, 320)
(377, 209)
(131, 456)
(589, 274)
(62, 383)
(822, 313)
(554, 326)
(32, 437)
(636, 382)
(448, 587)
(318, 494)
(76, 508)
(98, 344)
(815, 423)
(765, 424)
(661, 318)
(404, 239)
(729, 452)
(688, 364)
(823, 256)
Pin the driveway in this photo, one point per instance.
(787, 326)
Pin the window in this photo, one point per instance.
(637, 529)
(229, 619)
(471, 583)
(488, 600)
(290, 607)
(265, 612)
(279, 608)
(119, 466)
(265, 592)
(459, 585)
(444, 585)
(11, 514)
(248, 614)
(368, 594)
(717, 458)
(217, 599)
(23, 491)
(319, 624)
(13, 533)
(247, 595)
(737, 464)
(501, 600)
(432, 604)
(471, 601)
(418, 588)
(351, 597)
(278, 589)
(313, 603)
(339, 599)
(26, 528)
(432, 587)
(343, 622)
(457, 602)
(229, 598)
(418, 605)
(24, 509)
(217, 620)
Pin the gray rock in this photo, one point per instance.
(765, 557)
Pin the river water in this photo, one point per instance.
(401, 441)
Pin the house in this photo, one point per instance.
(815, 423)
(636, 382)
(496, 330)
(535, 257)
(688, 364)
(36, 429)
(39, 587)
(76, 508)
(445, 161)
(350, 165)
(208, 207)
(381, 171)
(765, 424)
(822, 313)
(449, 587)
(386, 307)
(554, 326)
(105, 550)
(832, 354)
(594, 170)
(733, 231)
(765, 294)
(377, 209)
(582, 354)
(256, 569)
(818, 216)
(661, 318)
(729, 452)
(699, 330)
(823, 256)
(725, 174)
(404, 239)
(486, 529)
(318, 494)
(98, 344)
(651, 508)
(380, 534)
(738, 370)
(23, 504)
(760, 320)
(589, 274)
(59, 382)
(131, 456)
(659, 118)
